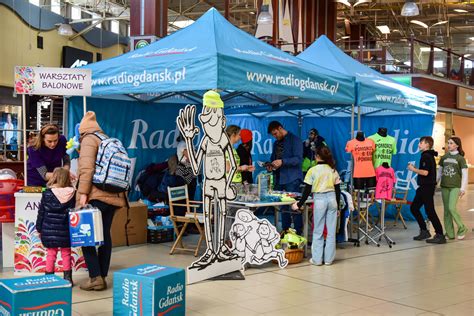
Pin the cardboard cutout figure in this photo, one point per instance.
(217, 188)
(254, 240)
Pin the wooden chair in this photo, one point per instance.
(180, 194)
(399, 199)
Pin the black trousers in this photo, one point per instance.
(425, 197)
(98, 262)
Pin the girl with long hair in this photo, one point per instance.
(453, 173)
(323, 181)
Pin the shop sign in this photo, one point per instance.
(52, 81)
(74, 57)
(403, 80)
(465, 99)
(137, 42)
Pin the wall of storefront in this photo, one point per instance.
(19, 46)
(464, 128)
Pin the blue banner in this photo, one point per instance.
(149, 133)
(407, 129)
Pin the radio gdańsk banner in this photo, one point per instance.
(52, 81)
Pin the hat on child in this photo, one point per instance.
(245, 135)
(212, 99)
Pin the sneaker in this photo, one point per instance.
(424, 234)
(328, 263)
(448, 238)
(437, 239)
(316, 264)
(462, 234)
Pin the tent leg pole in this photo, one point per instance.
(65, 109)
(300, 125)
(359, 127)
(85, 105)
(23, 110)
(352, 121)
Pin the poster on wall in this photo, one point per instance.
(465, 99)
(30, 255)
(9, 126)
(52, 81)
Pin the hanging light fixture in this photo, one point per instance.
(65, 30)
(265, 17)
(410, 8)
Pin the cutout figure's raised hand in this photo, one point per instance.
(186, 120)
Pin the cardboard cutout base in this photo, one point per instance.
(217, 268)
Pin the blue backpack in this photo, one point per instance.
(112, 166)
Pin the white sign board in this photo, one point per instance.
(52, 81)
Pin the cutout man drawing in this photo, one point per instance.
(211, 154)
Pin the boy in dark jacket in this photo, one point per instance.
(53, 220)
(425, 192)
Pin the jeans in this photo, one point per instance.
(98, 262)
(425, 197)
(51, 258)
(324, 214)
(450, 200)
(286, 213)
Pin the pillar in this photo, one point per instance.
(149, 17)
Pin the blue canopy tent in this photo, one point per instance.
(374, 90)
(213, 54)
(209, 54)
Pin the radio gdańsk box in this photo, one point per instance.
(85, 227)
(38, 295)
(149, 290)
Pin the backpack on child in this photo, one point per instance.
(112, 165)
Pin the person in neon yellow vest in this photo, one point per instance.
(233, 131)
(310, 145)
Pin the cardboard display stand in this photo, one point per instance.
(210, 156)
(30, 255)
(38, 295)
(150, 290)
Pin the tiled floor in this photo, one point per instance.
(412, 278)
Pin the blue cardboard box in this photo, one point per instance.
(38, 295)
(150, 289)
(85, 228)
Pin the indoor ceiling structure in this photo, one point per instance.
(446, 23)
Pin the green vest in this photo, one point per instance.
(237, 175)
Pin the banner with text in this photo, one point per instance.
(149, 133)
(52, 81)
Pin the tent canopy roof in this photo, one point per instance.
(374, 88)
(213, 54)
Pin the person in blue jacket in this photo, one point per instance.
(53, 220)
(286, 160)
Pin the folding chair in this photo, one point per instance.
(399, 199)
(191, 217)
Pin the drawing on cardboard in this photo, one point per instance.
(217, 187)
(254, 240)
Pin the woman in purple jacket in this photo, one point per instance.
(48, 153)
